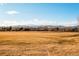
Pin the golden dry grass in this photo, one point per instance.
(39, 43)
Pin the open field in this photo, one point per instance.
(39, 43)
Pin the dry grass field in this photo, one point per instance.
(39, 43)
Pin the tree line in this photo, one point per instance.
(40, 28)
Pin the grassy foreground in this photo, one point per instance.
(39, 43)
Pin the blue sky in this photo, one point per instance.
(39, 14)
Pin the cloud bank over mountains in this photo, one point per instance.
(35, 22)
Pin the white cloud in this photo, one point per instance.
(25, 22)
(53, 22)
(8, 22)
(39, 22)
(12, 12)
(35, 22)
